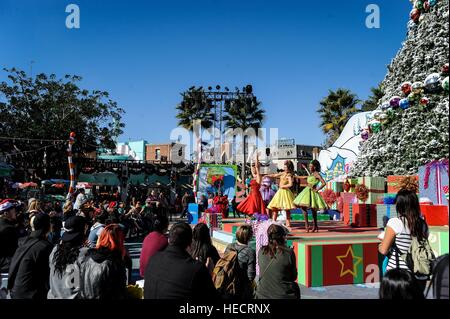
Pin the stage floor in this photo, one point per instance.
(328, 230)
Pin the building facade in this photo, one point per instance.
(171, 152)
(287, 149)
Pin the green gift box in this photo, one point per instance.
(438, 239)
(376, 187)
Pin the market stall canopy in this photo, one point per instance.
(5, 169)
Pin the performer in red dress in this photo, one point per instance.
(254, 202)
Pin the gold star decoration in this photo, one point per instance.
(355, 261)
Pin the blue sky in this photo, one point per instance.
(146, 52)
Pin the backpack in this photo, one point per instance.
(439, 279)
(227, 275)
(419, 258)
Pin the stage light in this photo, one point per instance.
(217, 87)
(227, 89)
(248, 89)
(209, 88)
(191, 88)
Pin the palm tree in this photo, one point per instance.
(244, 113)
(372, 101)
(335, 110)
(195, 106)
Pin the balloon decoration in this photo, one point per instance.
(445, 84)
(385, 106)
(415, 15)
(365, 135)
(433, 83)
(414, 97)
(444, 70)
(394, 101)
(418, 4)
(376, 115)
(420, 7)
(406, 88)
(404, 104)
(424, 101)
(383, 118)
(417, 87)
(375, 126)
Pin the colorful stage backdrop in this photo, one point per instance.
(214, 178)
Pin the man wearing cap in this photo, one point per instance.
(8, 233)
(29, 270)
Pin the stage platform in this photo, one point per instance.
(336, 255)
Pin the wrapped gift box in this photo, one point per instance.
(364, 215)
(435, 215)
(386, 198)
(375, 185)
(384, 212)
(325, 263)
(393, 182)
(360, 215)
(438, 240)
(212, 220)
(433, 180)
(335, 186)
(349, 198)
(353, 182)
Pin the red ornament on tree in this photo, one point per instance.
(406, 88)
(445, 69)
(415, 14)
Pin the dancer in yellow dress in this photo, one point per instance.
(284, 198)
(310, 198)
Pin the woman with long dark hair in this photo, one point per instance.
(202, 248)
(66, 260)
(277, 266)
(400, 231)
(310, 198)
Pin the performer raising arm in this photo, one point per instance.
(310, 198)
(254, 202)
(284, 198)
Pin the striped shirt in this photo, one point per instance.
(402, 241)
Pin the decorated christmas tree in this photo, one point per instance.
(415, 108)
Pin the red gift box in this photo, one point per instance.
(393, 182)
(435, 215)
(365, 215)
(360, 215)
